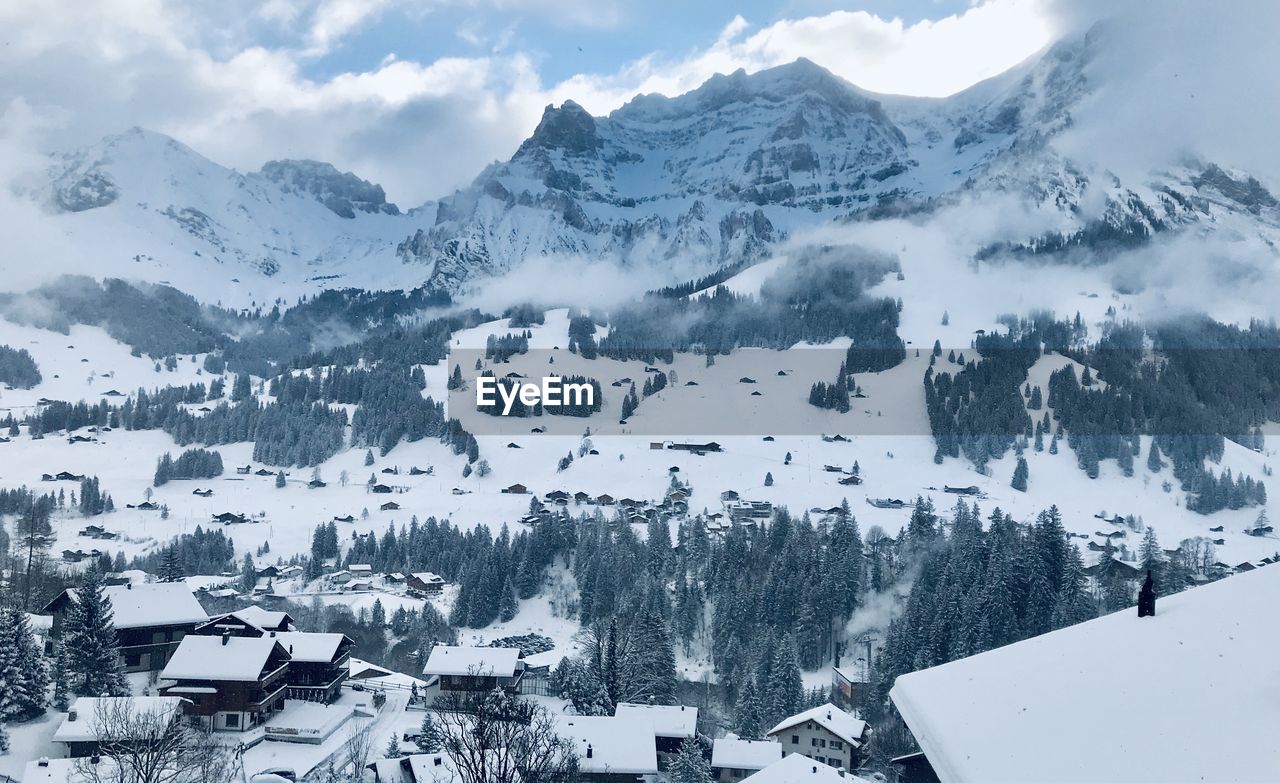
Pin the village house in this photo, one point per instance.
(470, 669)
(516, 489)
(360, 569)
(424, 583)
(390, 505)
(610, 749)
(672, 724)
(826, 734)
(150, 621)
(733, 759)
(415, 768)
(251, 621)
(318, 664)
(380, 489)
(800, 769)
(92, 720)
(233, 683)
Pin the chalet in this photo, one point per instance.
(358, 585)
(151, 620)
(424, 583)
(93, 720)
(145, 506)
(270, 572)
(77, 555)
(849, 682)
(291, 572)
(673, 469)
(732, 759)
(749, 511)
(344, 518)
(264, 472)
(1115, 567)
(677, 494)
(316, 484)
(767, 439)
(459, 491)
(795, 768)
(696, 448)
(833, 468)
(79, 439)
(745, 379)
(227, 518)
(728, 496)
(556, 495)
(390, 505)
(516, 489)
(887, 502)
(581, 497)
(914, 768)
(233, 683)
(513, 445)
(610, 749)
(415, 768)
(251, 621)
(850, 481)
(470, 669)
(538, 430)
(380, 489)
(62, 475)
(112, 393)
(1217, 529)
(92, 531)
(244, 471)
(672, 725)
(360, 569)
(395, 578)
(417, 471)
(1259, 530)
(389, 471)
(204, 493)
(757, 394)
(969, 490)
(340, 577)
(604, 500)
(826, 734)
(318, 664)
(835, 439)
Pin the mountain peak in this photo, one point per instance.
(772, 85)
(570, 128)
(343, 193)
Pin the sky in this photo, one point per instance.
(420, 95)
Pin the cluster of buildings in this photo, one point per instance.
(231, 672)
(640, 740)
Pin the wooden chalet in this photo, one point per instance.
(93, 720)
(151, 620)
(233, 683)
(515, 489)
(471, 669)
(424, 583)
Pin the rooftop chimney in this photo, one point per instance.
(44, 761)
(590, 752)
(226, 637)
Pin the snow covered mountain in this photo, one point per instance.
(685, 184)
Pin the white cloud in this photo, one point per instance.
(200, 72)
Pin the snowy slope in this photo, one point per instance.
(1189, 695)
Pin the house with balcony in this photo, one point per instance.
(318, 664)
(466, 670)
(232, 683)
(151, 620)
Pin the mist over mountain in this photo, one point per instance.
(670, 188)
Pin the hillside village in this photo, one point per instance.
(914, 439)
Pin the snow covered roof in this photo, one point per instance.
(263, 618)
(481, 661)
(416, 768)
(617, 745)
(83, 722)
(310, 647)
(801, 769)
(668, 721)
(1207, 660)
(549, 659)
(733, 753)
(240, 659)
(146, 605)
(831, 718)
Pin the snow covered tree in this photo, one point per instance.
(171, 566)
(786, 686)
(280, 479)
(368, 457)
(1020, 475)
(1154, 463)
(507, 606)
(482, 468)
(690, 765)
(24, 680)
(89, 638)
(61, 699)
(768, 479)
(392, 750)
(748, 718)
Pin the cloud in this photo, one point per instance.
(231, 79)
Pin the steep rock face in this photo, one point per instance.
(342, 193)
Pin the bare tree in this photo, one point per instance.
(495, 737)
(151, 746)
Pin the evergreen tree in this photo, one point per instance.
(1154, 463)
(61, 699)
(786, 689)
(368, 457)
(768, 479)
(690, 765)
(89, 638)
(429, 738)
(748, 717)
(1020, 475)
(280, 480)
(171, 566)
(508, 607)
(24, 681)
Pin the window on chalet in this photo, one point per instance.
(233, 720)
